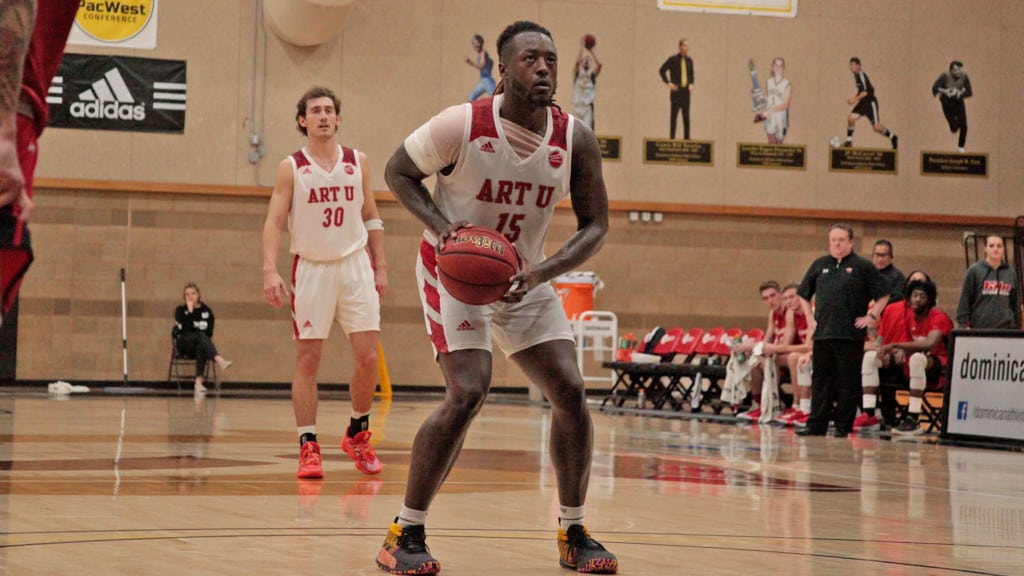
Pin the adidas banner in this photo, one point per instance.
(118, 93)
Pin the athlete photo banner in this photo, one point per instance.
(118, 93)
(120, 23)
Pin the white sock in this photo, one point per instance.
(914, 406)
(869, 401)
(307, 430)
(569, 515)
(805, 405)
(358, 415)
(411, 517)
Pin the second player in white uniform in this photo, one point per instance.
(338, 272)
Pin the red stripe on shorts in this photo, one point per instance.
(433, 298)
(295, 325)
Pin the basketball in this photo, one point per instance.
(589, 41)
(475, 265)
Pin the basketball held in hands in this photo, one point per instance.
(476, 265)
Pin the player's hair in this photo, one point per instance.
(843, 226)
(780, 60)
(855, 60)
(887, 244)
(683, 41)
(791, 286)
(311, 94)
(479, 39)
(906, 285)
(926, 286)
(767, 285)
(515, 29)
(955, 63)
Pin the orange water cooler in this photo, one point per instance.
(577, 289)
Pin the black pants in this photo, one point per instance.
(835, 384)
(680, 102)
(199, 346)
(956, 115)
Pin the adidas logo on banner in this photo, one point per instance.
(108, 98)
(487, 147)
(169, 96)
(55, 95)
(465, 327)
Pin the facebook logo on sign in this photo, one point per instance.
(961, 411)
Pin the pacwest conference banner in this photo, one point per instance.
(118, 93)
(120, 23)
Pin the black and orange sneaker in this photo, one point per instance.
(577, 550)
(405, 551)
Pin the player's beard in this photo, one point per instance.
(527, 94)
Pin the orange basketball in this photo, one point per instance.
(475, 265)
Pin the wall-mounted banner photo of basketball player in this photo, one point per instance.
(677, 74)
(584, 88)
(584, 91)
(770, 101)
(951, 88)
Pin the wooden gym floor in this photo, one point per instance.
(207, 486)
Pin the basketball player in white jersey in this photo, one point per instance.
(778, 94)
(504, 163)
(338, 273)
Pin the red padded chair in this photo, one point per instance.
(722, 348)
(668, 347)
(687, 346)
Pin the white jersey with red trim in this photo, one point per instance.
(491, 185)
(326, 216)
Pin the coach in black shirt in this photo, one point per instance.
(843, 285)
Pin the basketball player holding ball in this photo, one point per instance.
(503, 163)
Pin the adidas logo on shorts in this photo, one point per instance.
(308, 324)
(465, 326)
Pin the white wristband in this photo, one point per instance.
(759, 349)
(374, 224)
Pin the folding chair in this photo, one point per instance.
(669, 344)
(931, 405)
(182, 367)
(681, 368)
(708, 367)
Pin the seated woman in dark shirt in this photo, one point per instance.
(194, 322)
